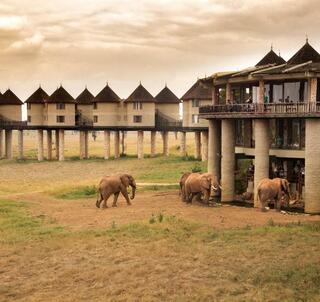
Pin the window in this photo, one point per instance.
(95, 105)
(137, 105)
(195, 103)
(95, 119)
(60, 118)
(28, 106)
(61, 106)
(137, 118)
(195, 119)
(29, 118)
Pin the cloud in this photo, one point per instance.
(28, 44)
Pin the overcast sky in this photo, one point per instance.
(78, 42)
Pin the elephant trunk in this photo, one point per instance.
(133, 193)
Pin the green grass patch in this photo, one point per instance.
(77, 193)
(156, 188)
(17, 226)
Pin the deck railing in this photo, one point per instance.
(5, 122)
(293, 108)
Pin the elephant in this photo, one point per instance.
(273, 189)
(114, 184)
(203, 183)
(182, 181)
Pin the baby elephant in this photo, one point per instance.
(114, 184)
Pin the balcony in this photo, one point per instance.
(254, 110)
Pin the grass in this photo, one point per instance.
(182, 260)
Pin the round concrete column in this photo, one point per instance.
(312, 167)
(86, 144)
(214, 146)
(116, 144)
(197, 140)
(204, 145)
(140, 145)
(261, 162)
(183, 144)
(61, 145)
(20, 144)
(82, 144)
(153, 143)
(8, 135)
(57, 143)
(228, 160)
(1, 143)
(165, 137)
(49, 144)
(40, 145)
(106, 144)
(123, 143)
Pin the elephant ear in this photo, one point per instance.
(284, 185)
(205, 182)
(125, 179)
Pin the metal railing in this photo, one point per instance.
(293, 108)
(5, 122)
(163, 121)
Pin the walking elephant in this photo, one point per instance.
(182, 182)
(114, 184)
(273, 189)
(198, 183)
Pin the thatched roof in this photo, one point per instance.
(140, 94)
(38, 97)
(85, 97)
(106, 95)
(271, 58)
(9, 98)
(60, 95)
(304, 54)
(199, 90)
(166, 96)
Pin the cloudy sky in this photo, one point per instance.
(78, 42)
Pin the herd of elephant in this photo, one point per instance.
(200, 185)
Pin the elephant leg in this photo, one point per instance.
(105, 199)
(277, 203)
(125, 195)
(98, 202)
(115, 199)
(206, 194)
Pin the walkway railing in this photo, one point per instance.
(295, 109)
(4, 122)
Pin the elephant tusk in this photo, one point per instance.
(214, 188)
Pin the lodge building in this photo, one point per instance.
(269, 113)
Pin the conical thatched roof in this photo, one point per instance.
(60, 95)
(271, 58)
(199, 91)
(140, 94)
(38, 97)
(85, 97)
(9, 98)
(106, 95)
(166, 96)
(304, 54)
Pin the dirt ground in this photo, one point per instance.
(82, 213)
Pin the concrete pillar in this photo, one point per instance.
(197, 140)
(261, 162)
(40, 144)
(153, 143)
(61, 145)
(312, 155)
(183, 144)
(86, 144)
(261, 94)
(204, 145)
(140, 145)
(49, 144)
(165, 137)
(8, 136)
(214, 147)
(228, 160)
(229, 95)
(312, 167)
(1, 143)
(106, 144)
(20, 144)
(82, 144)
(116, 144)
(123, 143)
(57, 143)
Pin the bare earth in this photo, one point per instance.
(82, 214)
